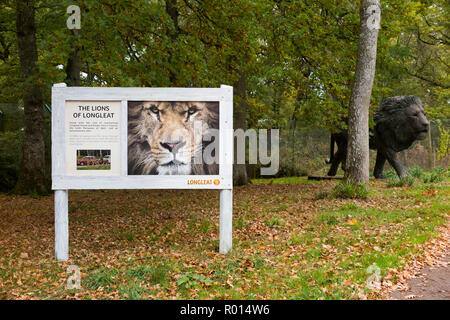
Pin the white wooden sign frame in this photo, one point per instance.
(61, 182)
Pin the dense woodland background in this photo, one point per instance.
(291, 64)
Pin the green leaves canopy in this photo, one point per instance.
(299, 55)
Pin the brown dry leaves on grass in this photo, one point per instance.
(164, 244)
(432, 256)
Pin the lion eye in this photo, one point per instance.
(192, 110)
(154, 109)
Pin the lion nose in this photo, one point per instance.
(172, 146)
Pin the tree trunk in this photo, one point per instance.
(172, 11)
(431, 163)
(239, 122)
(358, 122)
(32, 177)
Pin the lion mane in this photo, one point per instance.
(143, 132)
(392, 108)
(394, 127)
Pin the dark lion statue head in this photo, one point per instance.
(400, 121)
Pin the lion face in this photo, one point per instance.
(172, 132)
(400, 121)
(418, 121)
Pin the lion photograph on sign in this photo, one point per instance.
(169, 138)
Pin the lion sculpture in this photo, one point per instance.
(340, 139)
(399, 121)
(164, 138)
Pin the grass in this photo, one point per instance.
(192, 281)
(434, 176)
(284, 180)
(154, 275)
(437, 175)
(288, 243)
(416, 172)
(274, 221)
(101, 278)
(97, 167)
(348, 190)
(401, 182)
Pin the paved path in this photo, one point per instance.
(431, 283)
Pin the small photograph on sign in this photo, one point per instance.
(93, 159)
(173, 138)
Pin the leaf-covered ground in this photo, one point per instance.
(289, 242)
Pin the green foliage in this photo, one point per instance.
(436, 175)
(297, 58)
(390, 174)
(328, 219)
(154, 275)
(100, 278)
(444, 142)
(240, 222)
(205, 225)
(433, 177)
(274, 221)
(349, 190)
(348, 207)
(297, 54)
(192, 281)
(416, 172)
(401, 182)
(10, 154)
(131, 291)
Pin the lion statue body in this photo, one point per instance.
(399, 121)
(339, 138)
(164, 138)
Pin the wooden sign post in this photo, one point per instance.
(102, 139)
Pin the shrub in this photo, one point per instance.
(348, 190)
(402, 182)
(154, 275)
(102, 277)
(10, 154)
(192, 281)
(432, 177)
(390, 174)
(416, 172)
